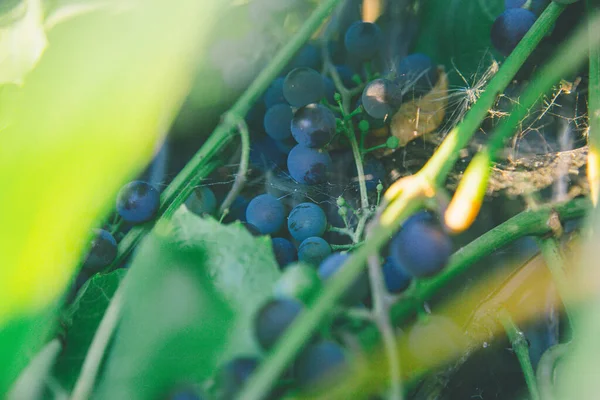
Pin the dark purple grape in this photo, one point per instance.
(313, 125)
(308, 166)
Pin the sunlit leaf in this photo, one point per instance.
(86, 119)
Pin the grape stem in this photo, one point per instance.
(401, 200)
(240, 179)
(381, 313)
(521, 349)
(203, 162)
(93, 359)
(554, 258)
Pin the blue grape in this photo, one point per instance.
(381, 97)
(421, 246)
(313, 250)
(303, 86)
(510, 27)
(265, 155)
(357, 291)
(266, 213)
(321, 360)
(363, 39)
(232, 376)
(278, 120)
(417, 71)
(313, 125)
(396, 278)
(102, 253)
(202, 201)
(274, 93)
(285, 252)
(306, 220)
(273, 319)
(138, 202)
(308, 166)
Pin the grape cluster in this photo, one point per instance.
(301, 137)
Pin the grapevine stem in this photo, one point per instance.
(201, 163)
(91, 364)
(555, 262)
(519, 345)
(240, 179)
(381, 313)
(526, 223)
(364, 198)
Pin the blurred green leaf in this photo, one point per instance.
(86, 119)
(174, 324)
(81, 319)
(457, 33)
(22, 39)
(242, 268)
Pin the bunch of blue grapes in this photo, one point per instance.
(299, 133)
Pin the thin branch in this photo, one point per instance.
(89, 371)
(240, 178)
(521, 348)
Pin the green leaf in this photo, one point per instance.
(80, 322)
(456, 33)
(86, 120)
(242, 268)
(174, 324)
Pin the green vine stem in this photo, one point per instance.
(526, 223)
(411, 200)
(240, 178)
(554, 258)
(593, 167)
(521, 349)
(201, 163)
(437, 168)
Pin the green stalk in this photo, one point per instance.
(200, 165)
(519, 345)
(437, 168)
(555, 262)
